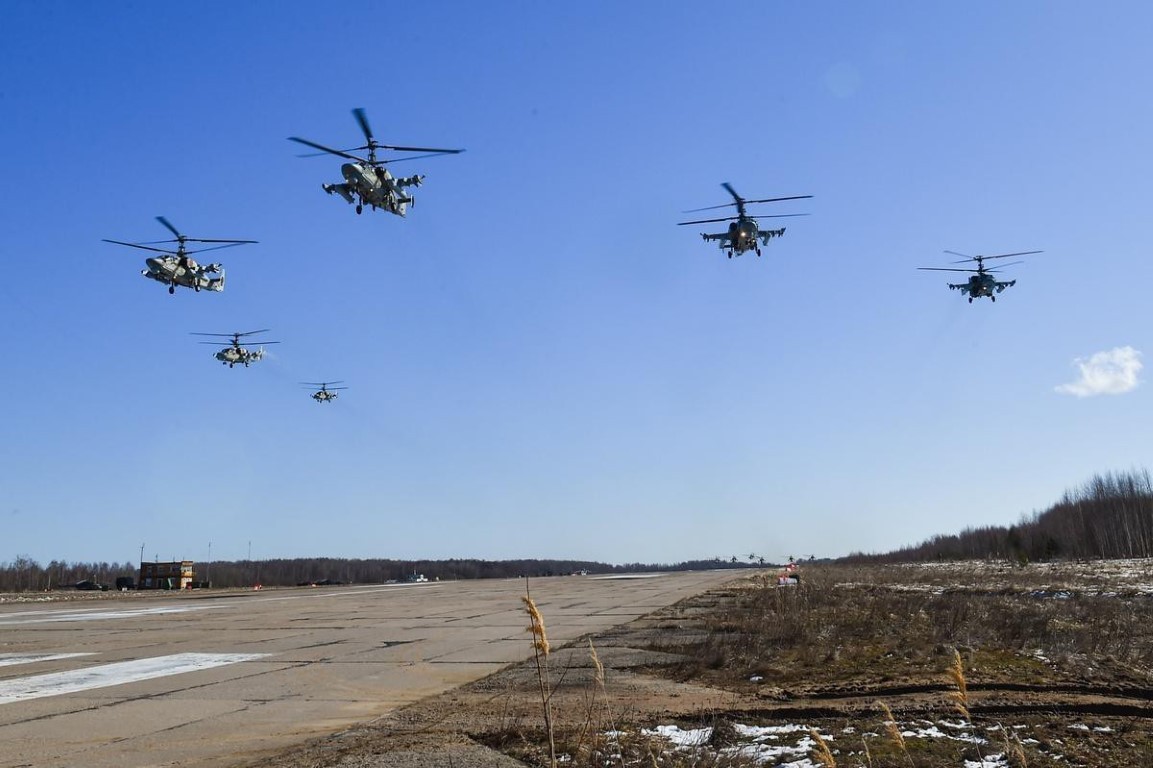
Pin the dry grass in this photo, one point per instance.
(885, 630)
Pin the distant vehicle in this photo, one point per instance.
(416, 578)
(233, 353)
(326, 393)
(366, 180)
(125, 583)
(743, 234)
(982, 283)
(91, 586)
(178, 267)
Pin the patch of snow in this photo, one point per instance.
(694, 737)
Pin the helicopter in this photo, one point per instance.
(982, 282)
(325, 394)
(177, 267)
(233, 353)
(367, 181)
(743, 231)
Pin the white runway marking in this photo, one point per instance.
(59, 683)
(50, 617)
(8, 659)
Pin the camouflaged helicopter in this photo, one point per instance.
(367, 181)
(744, 233)
(982, 282)
(178, 267)
(233, 353)
(325, 394)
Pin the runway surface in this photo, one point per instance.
(208, 679)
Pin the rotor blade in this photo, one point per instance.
(954, 253)
(1019, 253)
(413, 157)
(777, 199)
(362, 120)
(214, 240)
(947, 269)
(141, 247)
(249, 333)
(432, 150)
(213, 248)
(746, 202)
(777, 215)
(196, 333)
(1002, 266)
(320, 383)
(171, 228)
(323, 148)
(732, 191)
(711, 207)
(707, 221)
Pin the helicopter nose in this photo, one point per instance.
(153, 265)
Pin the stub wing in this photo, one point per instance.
(768, 234)
(959, 286)
(1003, 286)
(722, 239)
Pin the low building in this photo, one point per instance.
(175, 575)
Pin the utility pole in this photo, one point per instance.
(208, 567)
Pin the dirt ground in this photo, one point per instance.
(827, 657)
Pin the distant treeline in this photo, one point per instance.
(1109, 517)
(26, 575)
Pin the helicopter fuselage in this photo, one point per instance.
(172, 272)
(231, 356)
(744, 235)
(983, 284)
(373, 185)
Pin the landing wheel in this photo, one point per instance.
(359, 208)
(758, 252)
(970, 299)
(172, 289)
(993, 299)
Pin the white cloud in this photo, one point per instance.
(1113, 372)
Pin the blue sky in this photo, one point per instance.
(541, 364)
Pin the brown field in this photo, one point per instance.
(980, 666)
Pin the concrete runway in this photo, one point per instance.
(204, 679)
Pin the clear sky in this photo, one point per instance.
(540, 362)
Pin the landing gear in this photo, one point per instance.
(993, 298)
(758, 252)
(171, 289)
(359, 208)
(970, 299)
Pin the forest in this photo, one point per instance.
(26, 575)
(1109, 517)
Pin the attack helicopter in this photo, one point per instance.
(982, 282)
(325, 394)
(233, 353)
(743, 234)
(177, 267)
(367, 181)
